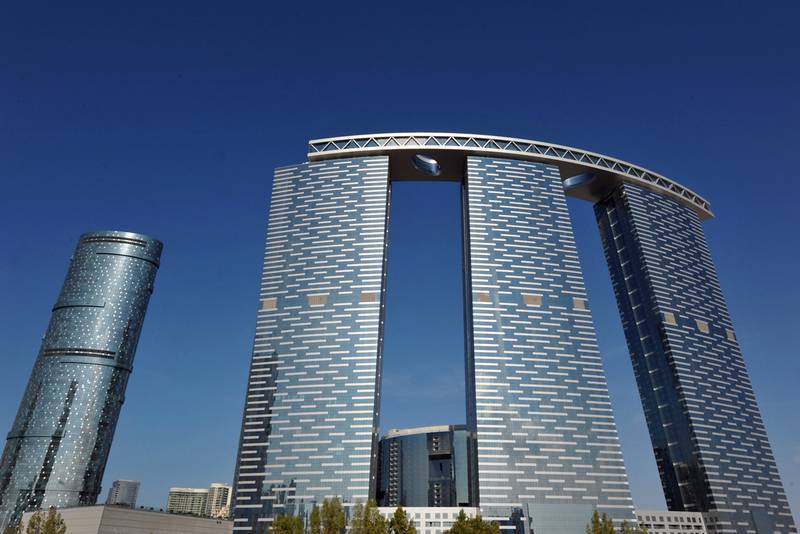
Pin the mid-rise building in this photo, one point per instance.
(56, 451)
(218, 504)
(192, 501)
(123, 493)
(425, 467)
(546, 443)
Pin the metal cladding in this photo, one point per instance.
(538, 408)
(57, 449)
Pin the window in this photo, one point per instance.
(317, 300)
(578, 303)
(702, 326)
(730, 334)
(532, 300)
(669, 318)
(484, 297)
(367, 297)
(269, 304)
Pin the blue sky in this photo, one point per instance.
(169, 121)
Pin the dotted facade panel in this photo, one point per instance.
(537, 394)
(709, 439)
(310, 425)
(56, 452)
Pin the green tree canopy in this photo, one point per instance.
(368, 520)
(315, 521)
(54, 523)
(472, 525)
(287, 524)
(401, 523)
(333, 519)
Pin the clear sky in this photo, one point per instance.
(170, 121)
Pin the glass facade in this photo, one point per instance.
(546, 438)
(543, 446)
(427, 467)
(57, 449)
(310, 426)
(710, 443)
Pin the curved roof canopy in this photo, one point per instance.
(585, 174)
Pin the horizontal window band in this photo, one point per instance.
(61, 306)
(143, 258)
(114, 239)
(69, 351)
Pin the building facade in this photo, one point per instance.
(425, 467)
(123, 493)
(120, 520)
(710, 443)
(56, 451)
(191, 501)
(664, 522)
(547, 450)
(218, 504)
(430, 520)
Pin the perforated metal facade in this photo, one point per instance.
(709, 439)
(57, 449)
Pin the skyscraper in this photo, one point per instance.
(537, 401)
(57, 449)
(426, 466)
(710, 443)
(123, 493)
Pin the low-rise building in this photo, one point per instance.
(665, 522)
(120, 520)
(429, 519)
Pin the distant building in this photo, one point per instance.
(119, 520)
(218, 504)
(56, 451)
(123, 493)
(430, 520)
(426, 466)
(664, 522)
(191, 501)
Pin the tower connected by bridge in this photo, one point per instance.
(538, 409)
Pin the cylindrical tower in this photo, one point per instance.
(57, 449)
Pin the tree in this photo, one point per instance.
(627, 528)
(472, 525)
(315, 521)
(54, 523)
(333, 520)
(368, 520)
(35, 524)
(287, 524)
(400, 523)
(600, 524)
(14, 530)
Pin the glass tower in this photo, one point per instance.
(57, 449)
(538, 408)
(310, 427)
(547, 441)
(709, 440)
